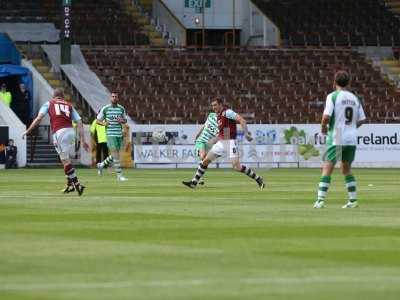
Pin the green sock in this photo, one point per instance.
(323, 187)
(117, 167)
(108, 161)
(351, 186)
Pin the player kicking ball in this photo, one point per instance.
(113, 117)
(205, 137)
(342, 116)
(226, 145)
(61, 115)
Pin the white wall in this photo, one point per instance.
(42, 91)
(257, 28)
(218, 16)
(172, 25)
(15, 130)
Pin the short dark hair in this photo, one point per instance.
(342, 78)
(58, 93)
(218, 100)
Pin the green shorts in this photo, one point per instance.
(201, 146)
(341, 153)
(114, 143)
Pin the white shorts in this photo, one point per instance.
(225, 148)
(64, 142)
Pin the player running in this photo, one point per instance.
(342, 116)
(227, 120)
(113, 116)
(205, 137)
(62, 114)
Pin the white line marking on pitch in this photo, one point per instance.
(190, 282)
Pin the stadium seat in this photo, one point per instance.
(178, 85)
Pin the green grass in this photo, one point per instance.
(151, 238)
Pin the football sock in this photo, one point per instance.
(249, 172)
(323, 187)
(107, 162)
(201, 169)
(117, 167)
(351, 186)
(69, 171)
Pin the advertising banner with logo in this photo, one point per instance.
(185, 154)
(378, 144)
(88, 158)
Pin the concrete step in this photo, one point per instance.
(43, 153)
(44, 158)
(38, 164)
(147, 4)
(390, 63)
(43, 163)
(45, 150)
(143, 21)
(158, 42)
(37, 62)
(393, 3)
(149, 27)
(154, 35)
(48, 76)
(39, 140)
(55, 83)
(136, 14)
(395, 70)
(43, 69)
(39, 148)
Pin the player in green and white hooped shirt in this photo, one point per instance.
(113, 116)
(204, 138)
(342, 116)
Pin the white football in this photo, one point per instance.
(159, 135)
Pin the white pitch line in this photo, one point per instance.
(193, 282)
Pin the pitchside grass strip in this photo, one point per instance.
(152, 238)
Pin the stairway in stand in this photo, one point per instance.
(40, 152)
(141, 12)
(394, 6)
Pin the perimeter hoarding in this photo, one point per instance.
(378, 144)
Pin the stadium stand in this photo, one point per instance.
(266, 85)
(105, 22)
(333, 23)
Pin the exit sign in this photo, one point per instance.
(197, 4)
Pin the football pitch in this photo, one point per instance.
(152, 238)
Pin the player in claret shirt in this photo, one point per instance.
(226, 145)
(62, 114)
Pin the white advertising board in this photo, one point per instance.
(181, 154)
(378, 144)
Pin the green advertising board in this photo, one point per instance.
(197, 4)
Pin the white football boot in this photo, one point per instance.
(99, 169)
(350, 204)
(121, 178)
(319, 204)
